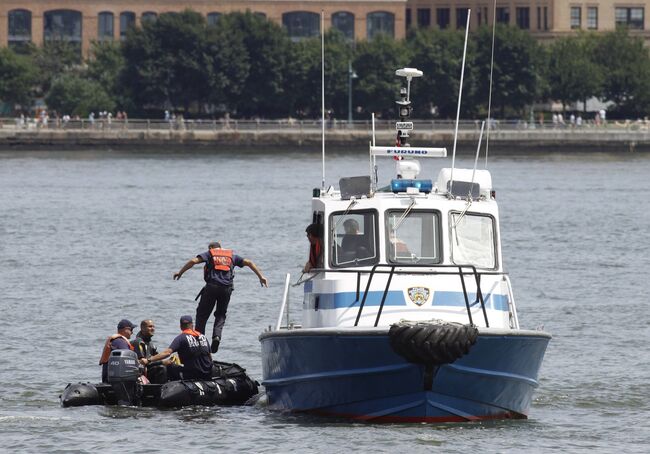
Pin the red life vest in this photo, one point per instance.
(106, 353)
(315, 254)
(221, 259)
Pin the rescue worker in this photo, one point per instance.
(146, 348)
(193, 351)
(218, 274)
(314, 234)
(118, 341)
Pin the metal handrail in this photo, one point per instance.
(285, 298)
(460, 272)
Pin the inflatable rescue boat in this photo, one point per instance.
(230, 385)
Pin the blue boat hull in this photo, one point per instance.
(356, 374)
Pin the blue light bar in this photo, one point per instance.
(400, 185)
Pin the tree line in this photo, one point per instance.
(246, 66)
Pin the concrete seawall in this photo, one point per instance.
(524, 140)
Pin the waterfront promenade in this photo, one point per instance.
(224, 134)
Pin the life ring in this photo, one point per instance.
(431, 342)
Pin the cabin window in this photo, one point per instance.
(353, 238)
(472, 240)
(412, 237)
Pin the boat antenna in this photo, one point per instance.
(460, 97)
(489, 118)
(322, 89)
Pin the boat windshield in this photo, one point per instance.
(412, 237)
(472, 240)
(353, 236)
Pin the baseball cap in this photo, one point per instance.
(185, 319)
(124, 323)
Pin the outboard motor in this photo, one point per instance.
(123, 373)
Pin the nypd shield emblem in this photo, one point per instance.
(419, 295)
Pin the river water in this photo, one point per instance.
(90, 237)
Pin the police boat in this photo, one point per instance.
(230, 385)
(411, 317)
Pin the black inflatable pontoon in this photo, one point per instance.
(230, 385)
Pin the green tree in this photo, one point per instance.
(74, 95)
(267, 47)
(52, 60)
(517, 68)
(439, 54)
(166, 62)
(626, 71)
(375, 64)
(17, 78)
(105, 67)
(572, 73)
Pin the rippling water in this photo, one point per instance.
(87, 238)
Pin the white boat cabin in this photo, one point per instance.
(425, 252)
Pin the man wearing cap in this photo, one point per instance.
(193, 351)
(218, 274)
(118, 341)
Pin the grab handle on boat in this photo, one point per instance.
(285, 302)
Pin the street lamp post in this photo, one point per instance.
(351, 75)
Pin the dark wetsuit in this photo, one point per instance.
(219, 286)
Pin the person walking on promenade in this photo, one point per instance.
(218, 273)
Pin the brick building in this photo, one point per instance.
(81, 22)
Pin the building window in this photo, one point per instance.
(576, 17)
(127, 21)
(523, 18)
(213, 18)
(380, 22)
(630, 17)
(408, 18)
(461, 17)
(424, 18)
(20, 29)
(105, 26)
(63, 25)
(545, 18)
(301, 24)
(343, 21)
(592, 18)
(443, 17)
(149, 16)
(503, 15)
(482, 16)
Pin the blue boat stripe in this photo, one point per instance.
(347, 300)
(345, 373)
(476, 371)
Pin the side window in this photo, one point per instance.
(472, 240)
(353, 239)
(412, 237)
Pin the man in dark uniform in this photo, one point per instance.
(218, 274)
(193, 351)
(118, 341)
(146, 348)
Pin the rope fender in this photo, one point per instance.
(434, 342)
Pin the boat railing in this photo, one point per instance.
(391, 269)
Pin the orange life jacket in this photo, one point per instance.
(191, 332)
(106, 353)
(221, 259)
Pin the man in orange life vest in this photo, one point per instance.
(118, 341)
(193, 351)
(218, 273)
